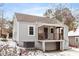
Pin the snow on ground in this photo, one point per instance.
(10, 48)
(12, 44)
(70, 52)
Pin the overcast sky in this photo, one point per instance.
(33, 8)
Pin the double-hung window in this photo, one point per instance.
(31, 30)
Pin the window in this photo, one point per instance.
(76, 39)
(51, 30)
(31, 30)
(29, 44)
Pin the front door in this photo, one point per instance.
(46, 33)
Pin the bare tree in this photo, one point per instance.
(1, 15)
(63, 14)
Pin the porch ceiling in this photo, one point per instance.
(46, 24)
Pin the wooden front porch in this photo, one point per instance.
(50, 33)
(51, 37)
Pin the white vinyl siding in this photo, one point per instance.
(24, 32)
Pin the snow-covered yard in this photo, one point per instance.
(70, 52)
(10, 48)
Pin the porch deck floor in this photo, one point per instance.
(50, 40)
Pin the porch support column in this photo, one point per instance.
(61, 46)
(59, 34)
(54, 34)
(43, 46)
(38, 34)
(43, 34)
(63, 34)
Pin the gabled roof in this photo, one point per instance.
(25, 17)
(32, 18)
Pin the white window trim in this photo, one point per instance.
(33, 28)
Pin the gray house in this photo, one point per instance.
(74, 38)
(74, 41)
(40, 32)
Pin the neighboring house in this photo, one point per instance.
(40, 32)
(74, 38)
(4, 33)
(3, 28)
(6, 27)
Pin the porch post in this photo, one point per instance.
(61, 46)
(43, 46)
(62, 32)
(43, 34)
(37, 26)
(59, 34)
(54, 33)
